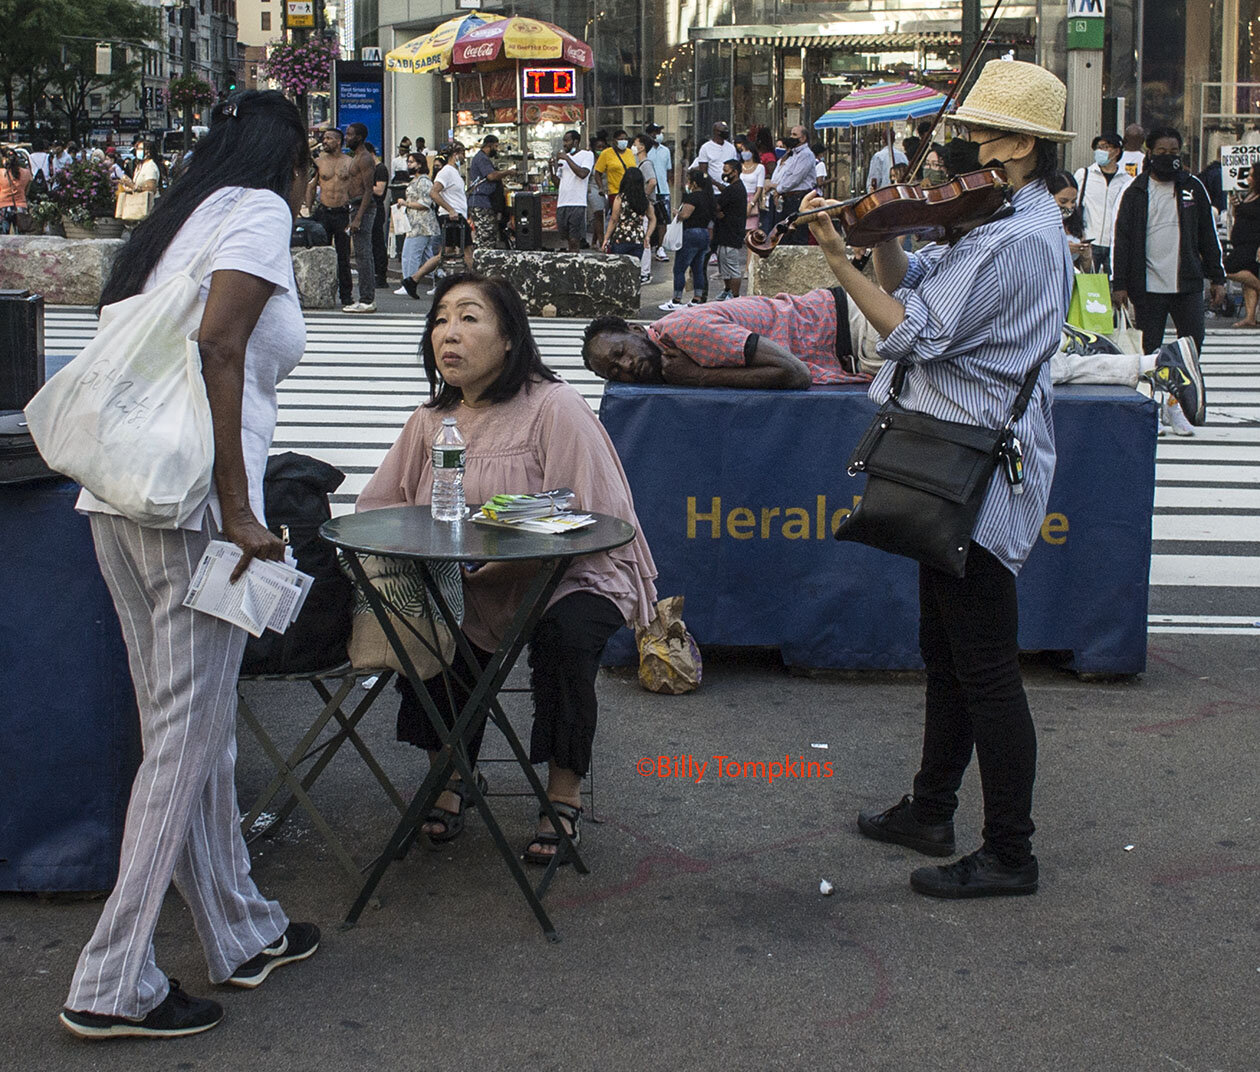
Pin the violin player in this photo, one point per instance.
(971, 319)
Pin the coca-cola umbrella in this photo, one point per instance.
(432, 51)
(520, 38)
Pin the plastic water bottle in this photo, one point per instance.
(448, 473)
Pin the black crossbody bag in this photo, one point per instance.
(926, 479)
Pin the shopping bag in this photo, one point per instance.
(412, 611)
(672, 242)
(669, 658)
(133, 206)
(129, 418)
(398, 221)
(1091, 303)
(1126, 336)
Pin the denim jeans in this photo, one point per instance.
(633, 249)
(976, 701)
(417, 251)
(694, 255)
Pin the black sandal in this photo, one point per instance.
(568, 813)
(453, 821)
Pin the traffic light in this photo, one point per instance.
(231, 83)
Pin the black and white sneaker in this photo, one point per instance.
(298, 942)
(178, 1014)
(1177, 371)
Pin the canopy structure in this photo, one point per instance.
(432, 51)
(885, 102)
(519, 38)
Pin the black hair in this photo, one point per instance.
(1162, 132)
(700, 176)
(634, 191)
(333, 130)
(523, 363)
(420, 159)
(1074, 224)
(490, 139)
(573, 134)
(256, 140)
(1045, 160)
(817, 147)
(619, 131)
(762, 141)
(647, 142)
(924, 128)
(370, 147)
(601, 325)
(358, 128)
(419, 143)
(1109, 137)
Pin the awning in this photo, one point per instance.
(824, 36)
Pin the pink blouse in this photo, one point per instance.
(546, 437)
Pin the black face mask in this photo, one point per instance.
(1164, 166)
(964, 156)
(789, 143)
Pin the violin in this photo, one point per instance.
(941, 213)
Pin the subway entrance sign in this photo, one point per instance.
(1086, 24)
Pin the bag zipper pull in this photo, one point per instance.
(1013, 463)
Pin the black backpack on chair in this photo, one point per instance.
(295, 492)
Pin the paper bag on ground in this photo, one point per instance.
(669, 658)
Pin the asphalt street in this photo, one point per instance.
(700, 939)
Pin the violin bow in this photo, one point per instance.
(964, 76)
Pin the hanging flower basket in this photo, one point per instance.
(301, 67)
(190, 92)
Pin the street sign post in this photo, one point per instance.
(299, 14)
(1087, 24)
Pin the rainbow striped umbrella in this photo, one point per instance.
(885, 102)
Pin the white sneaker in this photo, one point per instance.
(1176, 420)
(401, 292)
(670, 306)
(353, 307)
(645, 277)
(661, 255)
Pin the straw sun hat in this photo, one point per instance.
(1018, 97)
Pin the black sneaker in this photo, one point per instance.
(298, 942)
(410, 286)
(1177, 372)
(178, 1014)
(981, 874)
(898, 826)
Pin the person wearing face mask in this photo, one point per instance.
(1101, 186)
(611, 165)
(1063, 189)
(752, 173)
(794, 177)
(715, 152)
(662, 162)
(1165, 247)
(484, 181)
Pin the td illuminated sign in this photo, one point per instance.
(548, 82)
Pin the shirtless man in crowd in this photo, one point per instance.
(342, 181)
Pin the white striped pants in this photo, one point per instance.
(182, 820)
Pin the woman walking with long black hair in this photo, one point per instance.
(236, 202)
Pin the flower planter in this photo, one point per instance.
(108, 227)
(77, 230)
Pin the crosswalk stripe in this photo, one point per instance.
(362, 377)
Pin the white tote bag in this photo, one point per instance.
(129, 418)
(672, 242)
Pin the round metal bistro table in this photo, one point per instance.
(410, 532)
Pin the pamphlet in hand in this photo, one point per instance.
(546, 511)
(269, 595)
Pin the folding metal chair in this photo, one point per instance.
(319, 755)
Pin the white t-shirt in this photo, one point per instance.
(820, 170)
(572, 189)
(1163, 239)
(148, 172)
(256, 241)
(1131, 161)
(753, 180)
(713, 156)
(452, 192)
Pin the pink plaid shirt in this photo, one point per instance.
(714, 334)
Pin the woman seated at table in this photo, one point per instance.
(526, 430)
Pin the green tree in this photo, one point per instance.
(72, 77)
(30, 31)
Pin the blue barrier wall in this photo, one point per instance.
(737, 492)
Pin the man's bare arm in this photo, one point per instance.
(771, 368)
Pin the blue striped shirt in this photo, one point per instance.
(979, 315)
